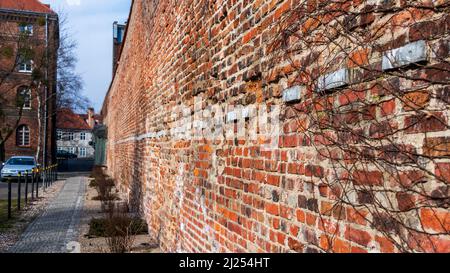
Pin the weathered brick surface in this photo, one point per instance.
(233, 195)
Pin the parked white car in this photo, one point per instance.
(16, 164)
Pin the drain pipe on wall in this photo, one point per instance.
(46, 95)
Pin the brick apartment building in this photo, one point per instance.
(360, 158)
(29, 42)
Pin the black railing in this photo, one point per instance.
(38, 178)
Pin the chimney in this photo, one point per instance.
(91, 120)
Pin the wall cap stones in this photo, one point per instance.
(293, 94)
(411, 53)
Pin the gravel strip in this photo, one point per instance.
(58, 225)
(32, 211)
(92, 209)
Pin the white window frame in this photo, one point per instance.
(27, 29)
(83, 152)
(23, 134)
(26, 67)
(59, 135)
(70, 136)
(83, 136)
(72, 150)
(25, 93)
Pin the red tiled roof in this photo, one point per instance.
(67, 119)
(26, 5)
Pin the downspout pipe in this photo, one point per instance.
(45, 163)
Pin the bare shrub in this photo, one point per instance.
(104, 189)
(104, 186)
(121, 231)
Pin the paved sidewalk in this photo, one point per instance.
(58, 225)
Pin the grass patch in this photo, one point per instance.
(101, 227)
(6, 223)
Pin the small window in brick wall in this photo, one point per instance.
(23, 136)
(26, 29)
(26, 66)
(24, 97)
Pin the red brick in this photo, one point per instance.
(292, 168)
(249, 36)
(358, 58)
(351, 96)
(273, 180)
(295, 245)
(355, 249)
(273, 209)
(290, 141)
(328, 226)
(422, 243)
(388, 108)
(405, 201)
(386, 245)
(368, 178)
(282, 9)
(311, 219)
(340, 246)
(425, 123)
(407, 179)
(435, 220)
(294, 230)
(443, 172)
(323, 190)
(357, 216)
(416, 100)
(316, 171)
(437, 147)
(358, 236)
(301, 216)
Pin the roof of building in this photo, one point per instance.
(26, 5)
(67, 119)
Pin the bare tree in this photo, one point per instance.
(70, 83)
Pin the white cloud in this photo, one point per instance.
(73, 2)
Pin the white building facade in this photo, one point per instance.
(74, 133)
(76, 142)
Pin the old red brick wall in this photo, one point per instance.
(319, 189)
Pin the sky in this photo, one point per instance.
(91, 24)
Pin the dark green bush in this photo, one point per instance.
(117, 225)
(93, 183)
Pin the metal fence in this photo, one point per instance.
(28, 186)
(75, 165)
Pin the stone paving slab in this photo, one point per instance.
(58, 225)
